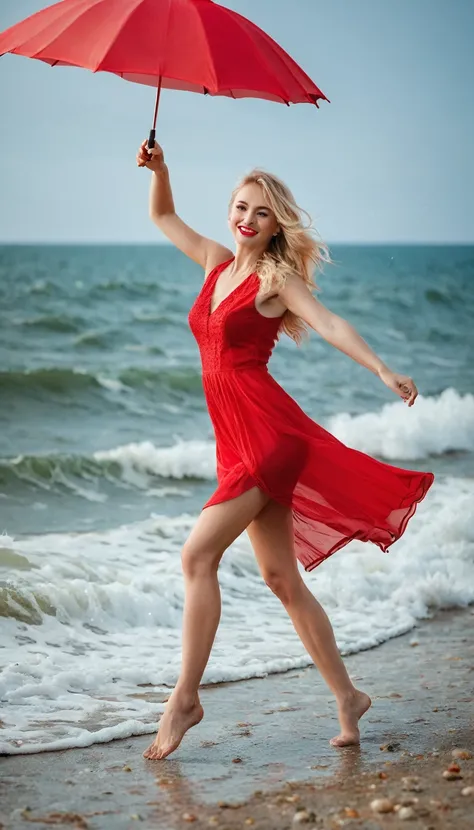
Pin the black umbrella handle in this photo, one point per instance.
(151, 140)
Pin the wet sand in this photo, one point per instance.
(261, 754)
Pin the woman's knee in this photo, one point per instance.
(286, 585)
(197, 561)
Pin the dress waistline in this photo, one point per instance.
(254, 368)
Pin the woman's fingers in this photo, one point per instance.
(414, 396)
(143, 156)
(409, 391)
(146, 157)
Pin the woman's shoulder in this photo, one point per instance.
(217, 255)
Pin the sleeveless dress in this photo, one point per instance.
(264, 439)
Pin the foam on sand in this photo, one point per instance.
(87, 617)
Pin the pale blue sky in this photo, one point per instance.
(390, 159)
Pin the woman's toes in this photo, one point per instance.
(345, 740)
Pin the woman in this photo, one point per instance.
(299, 492)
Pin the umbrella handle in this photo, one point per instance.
(151, 140)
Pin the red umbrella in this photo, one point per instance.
(195, 45)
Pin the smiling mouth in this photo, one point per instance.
(246, 231)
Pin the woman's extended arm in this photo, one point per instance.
(205, 252)
(341, 334)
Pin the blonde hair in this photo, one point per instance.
(296, 249)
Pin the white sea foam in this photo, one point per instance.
(96, 614)
(434, 425)
(113, 384)
(186, 459)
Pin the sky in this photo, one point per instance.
(388, 160)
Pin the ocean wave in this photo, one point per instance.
(127, 287)
(134, 465)
(47, 379)
(184, 460)
(433, 426)
(61, 323)
(71, 381)
(158, 318)
(57, 472)
(182, 379)
(93, 339)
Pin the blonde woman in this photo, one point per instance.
(298, 492)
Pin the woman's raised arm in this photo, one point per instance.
(202, 250)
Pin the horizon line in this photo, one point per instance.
(165, 244)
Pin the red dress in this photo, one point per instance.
(264, 439)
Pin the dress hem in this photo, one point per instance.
(414, 500)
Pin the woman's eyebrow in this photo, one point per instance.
(260, 207)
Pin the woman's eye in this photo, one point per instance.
(261, 213)
(240, 207)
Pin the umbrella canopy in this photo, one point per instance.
(193, 45)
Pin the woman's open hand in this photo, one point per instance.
(402, 385)
(153, 159)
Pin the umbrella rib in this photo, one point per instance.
(124, 21)
(237, 19)
(211, 64)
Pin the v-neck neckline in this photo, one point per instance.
(222, 268)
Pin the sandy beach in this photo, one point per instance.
(261, 756)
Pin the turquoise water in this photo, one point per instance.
(97, 355)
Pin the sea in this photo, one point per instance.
(107, 456)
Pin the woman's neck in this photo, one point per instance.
(245, 261)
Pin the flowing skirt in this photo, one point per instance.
(336, 493)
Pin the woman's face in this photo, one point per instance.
(251, 221)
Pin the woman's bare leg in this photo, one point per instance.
(216, 528)
(271, 535)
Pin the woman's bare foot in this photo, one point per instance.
(350, 711)
(175, 721)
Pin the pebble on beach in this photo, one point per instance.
(406, 801)
(76, 819)
(405, 813)
(467, 791)
(301, 817)
(462, 754)
(453, 772)
(411, 783)
(451, 776)
(382, 805)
